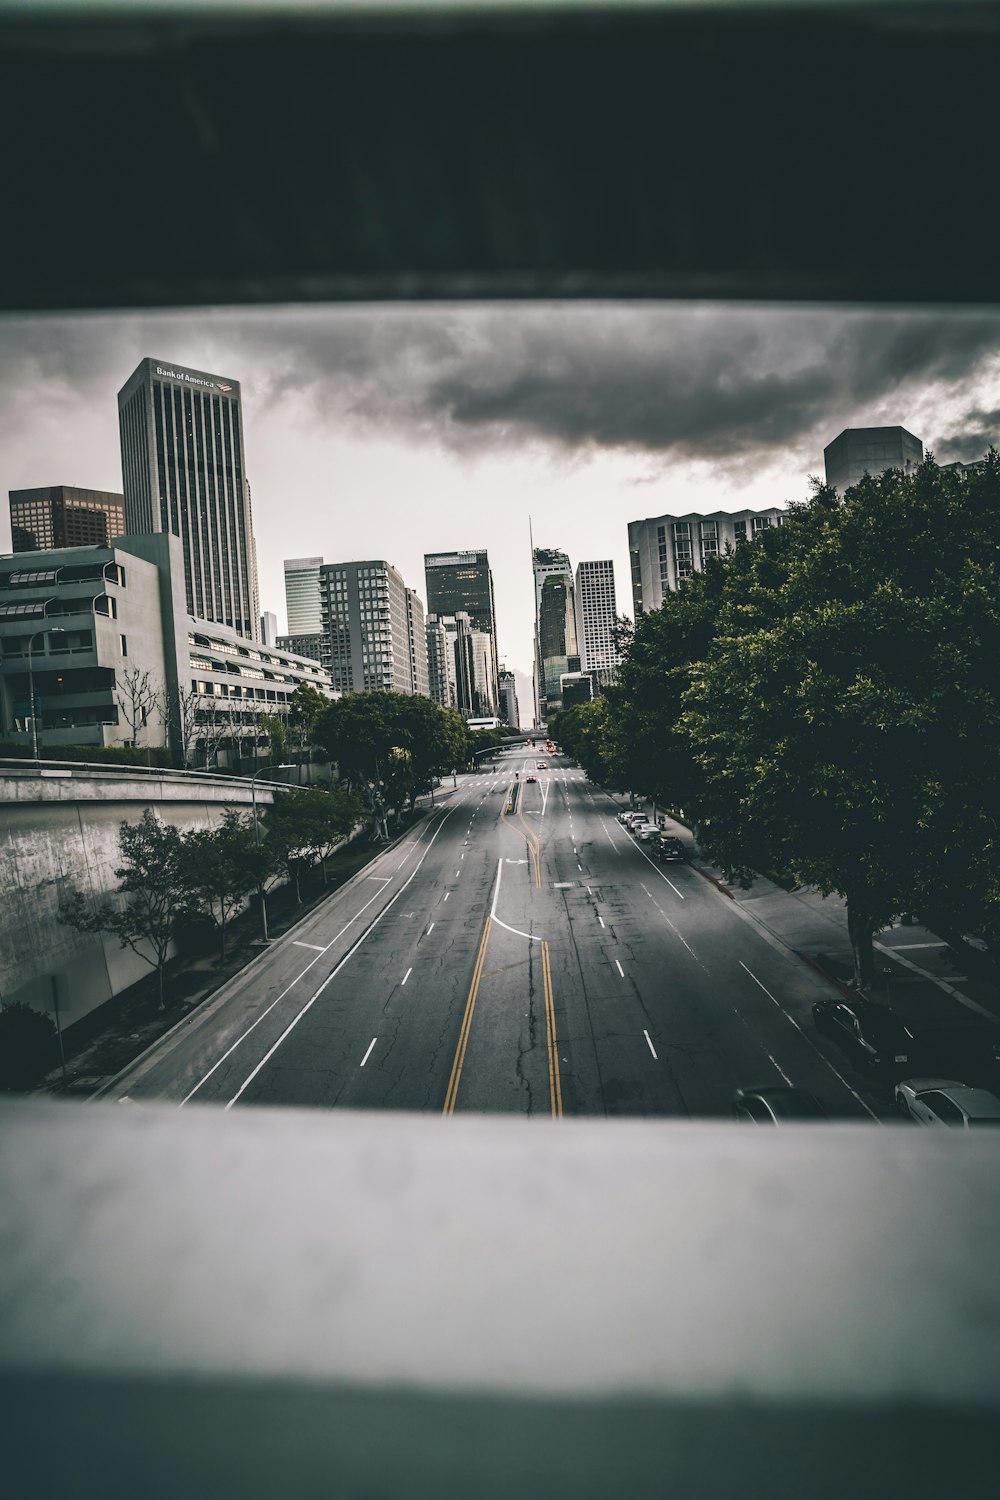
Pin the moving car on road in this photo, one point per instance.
(944, 1101)
(541, 765)
(776, 1106)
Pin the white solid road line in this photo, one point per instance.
(288, 988)
(369, 1052)
(812, 1044)
(670, 924)
(493, 909)
(649, 1043)
(620, 969)
(299, 944)
(407, 974)
(332, 975)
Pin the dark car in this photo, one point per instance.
(668, 850)
(776, 1106)
(872, 1035)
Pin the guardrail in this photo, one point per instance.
(16, 766)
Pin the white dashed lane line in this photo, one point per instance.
(369, 1052)
(620, 969)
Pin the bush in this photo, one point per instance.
(109, 755)
(27, 1047)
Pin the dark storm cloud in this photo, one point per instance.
(981, 430)
(732, 385)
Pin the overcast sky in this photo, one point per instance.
(388, 432)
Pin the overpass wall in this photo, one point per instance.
(59, 831)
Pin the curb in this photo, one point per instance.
(195, 1011)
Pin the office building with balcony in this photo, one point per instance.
(664, 550)
(64, 515)
(78, 624)
(556, 647)
(184, 473)
(870, 450)
(367, 622)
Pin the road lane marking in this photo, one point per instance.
(407, 974)
(555, 1082)
(332, 975)
(670, 924)
(812, 1044)
(610, 839)
(447, 894)
(580, 868)
(620, 969)
(493, 909)
(457, 874)
(600, 919)
(466, 1027)
(649, 1043)
(369, 1052)
(430, 929)
(318, 946)
(941, 983)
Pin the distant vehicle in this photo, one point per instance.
(776, 1106)
(541, 765)
(668, 850)
(872, 1035)
(943, 1101)
(529, 779)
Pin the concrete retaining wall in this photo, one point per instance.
(61, 832)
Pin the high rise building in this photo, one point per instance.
(315, 645)
(509, 711)
(184, 472)
(870, 450)
(366, 618)
(440, 663)
(63, 515)
(268, 628)
(596, 617)
(664, 550)
(556, 648)
(462, 583)
(302, 595)
(416, 627)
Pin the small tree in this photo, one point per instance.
(305, 707)
(305, 825)
(152, 883)
(27, 1047)
(138, 697)
(181, 707)
(222, 866)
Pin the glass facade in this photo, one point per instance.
(62, 515)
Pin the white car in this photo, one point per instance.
(944, 1101)
(644, 830)
(629, 816)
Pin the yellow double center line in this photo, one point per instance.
(555, 1083)
(463, 1035)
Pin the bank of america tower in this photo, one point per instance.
(183, 471)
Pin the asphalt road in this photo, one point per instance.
(527, 959)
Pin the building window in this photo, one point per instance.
(124, 642)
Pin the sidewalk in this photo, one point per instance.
(916, 971)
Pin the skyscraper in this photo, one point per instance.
(302, 595)
(664, 550)
(871, 450)
(508, 699)
(440, 663)
(462, 583)
(62, 515)
(416, 629)
(556, 649)
(184, 472)
(596, 616)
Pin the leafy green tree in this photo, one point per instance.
(306, 824)
(846, 720)
(222, 865)
(27, 1047)
(306, 706)
(152, 890)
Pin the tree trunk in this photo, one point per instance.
(159, 977)
(860, 927)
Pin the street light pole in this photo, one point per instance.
(51, 630)
(256, 839)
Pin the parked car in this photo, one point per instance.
(643, 829)
(775, 1106)
(668, 849)
(629, 815)
(944, 1101)
(872, 1035)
